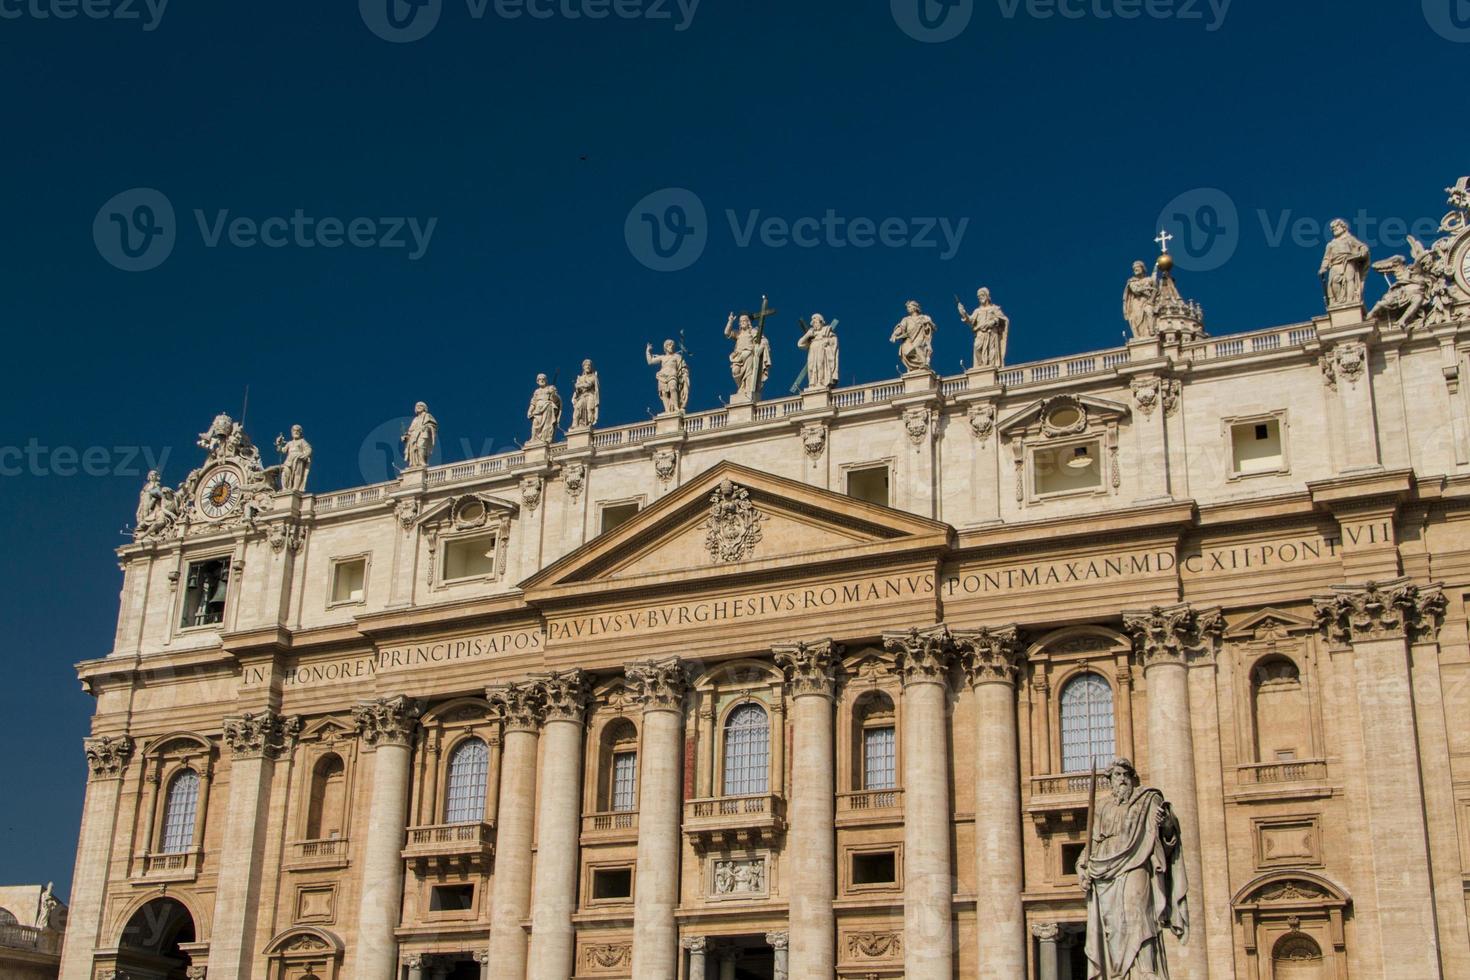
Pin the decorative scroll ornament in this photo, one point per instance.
(658, 684)
(1381, 611)
(989, 655)
(283, 535)
(916, 424)
(574, 476)
(108, 755)
(260, 734)
(922, 655)
(406, 511)
(665, 461)
(388, 720)
(531, 492)
(733, 527)
(565, 694)
(814, 439)
(811, 668)
(522, 705)
(1150, 392)
(874, 945)
(1172, 634)
(1346, 362)
(982, 421)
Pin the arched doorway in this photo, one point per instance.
(154, 940)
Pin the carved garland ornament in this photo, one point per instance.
(874, 945)
(260, 734)
(388, 720)
(733, 527)
(811, 668)
(1172, 634)
(657, 684)
(1376, 612)
(608, 956)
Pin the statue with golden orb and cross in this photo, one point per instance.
(1152, 304)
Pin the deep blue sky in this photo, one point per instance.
(1060, 140)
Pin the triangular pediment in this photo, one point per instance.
(1269, 623)
(733, 519)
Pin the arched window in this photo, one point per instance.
(747, 751)
(179, 811)
(617, 786)
(1296, 957)
(464, 796)
(1087, 722)
(1280, 709)
(325, 818)
(877, 743)
(7, 918)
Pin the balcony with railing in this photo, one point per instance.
(735, 821)
(870, 807)
(30, 938)
(612, 827)
(326, 853)
(1059, 801)
(1285, 771)
(462, 847)
(179, 866)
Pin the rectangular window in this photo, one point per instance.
(472, 557)
(204, 592)
(869, 483)
(1070, 855)
(451, 898)
(1255, 447)
(349, 580)
(615, 515)
(625, 780)
(879, 771)
(876, 868)
(612, 883)
(1067, 469)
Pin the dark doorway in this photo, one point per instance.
(152, 937)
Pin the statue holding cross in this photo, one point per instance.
(750, 361)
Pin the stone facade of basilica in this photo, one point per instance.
(814, 686)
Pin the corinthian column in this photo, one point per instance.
(1378, 621)
(658, 686)
(107, 759)
(990, 658)
(559, 823)
(922, 658)
(256, 740)
(386, 726)
(812, 840)
(1164, 640)
(521, 709)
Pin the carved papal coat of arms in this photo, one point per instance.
(734, 525)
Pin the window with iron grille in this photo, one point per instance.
(464, 797)
(747, 751)
(625, 780)
(1087, 723)
(879, 771)
(179, 810)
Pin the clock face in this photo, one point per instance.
(1462, 267)
(220, 494)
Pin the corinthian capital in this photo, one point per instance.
(811, 668)
(657, 685)
(990, 654)
(387, 720)
(922, 656)
(260, 734)
(522, 705)
(108, 755)
(565, 694)
(1172, 634)
(1379, 611)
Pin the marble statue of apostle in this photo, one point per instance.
(750, 361)
(915, 338)
(1133, 875)
(418, 441)
(1344, 264)
(297, 462)
(544, 411)
(1140, 294)
(672, 377)
(586, 398)
(990, 326)
(820, 343)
